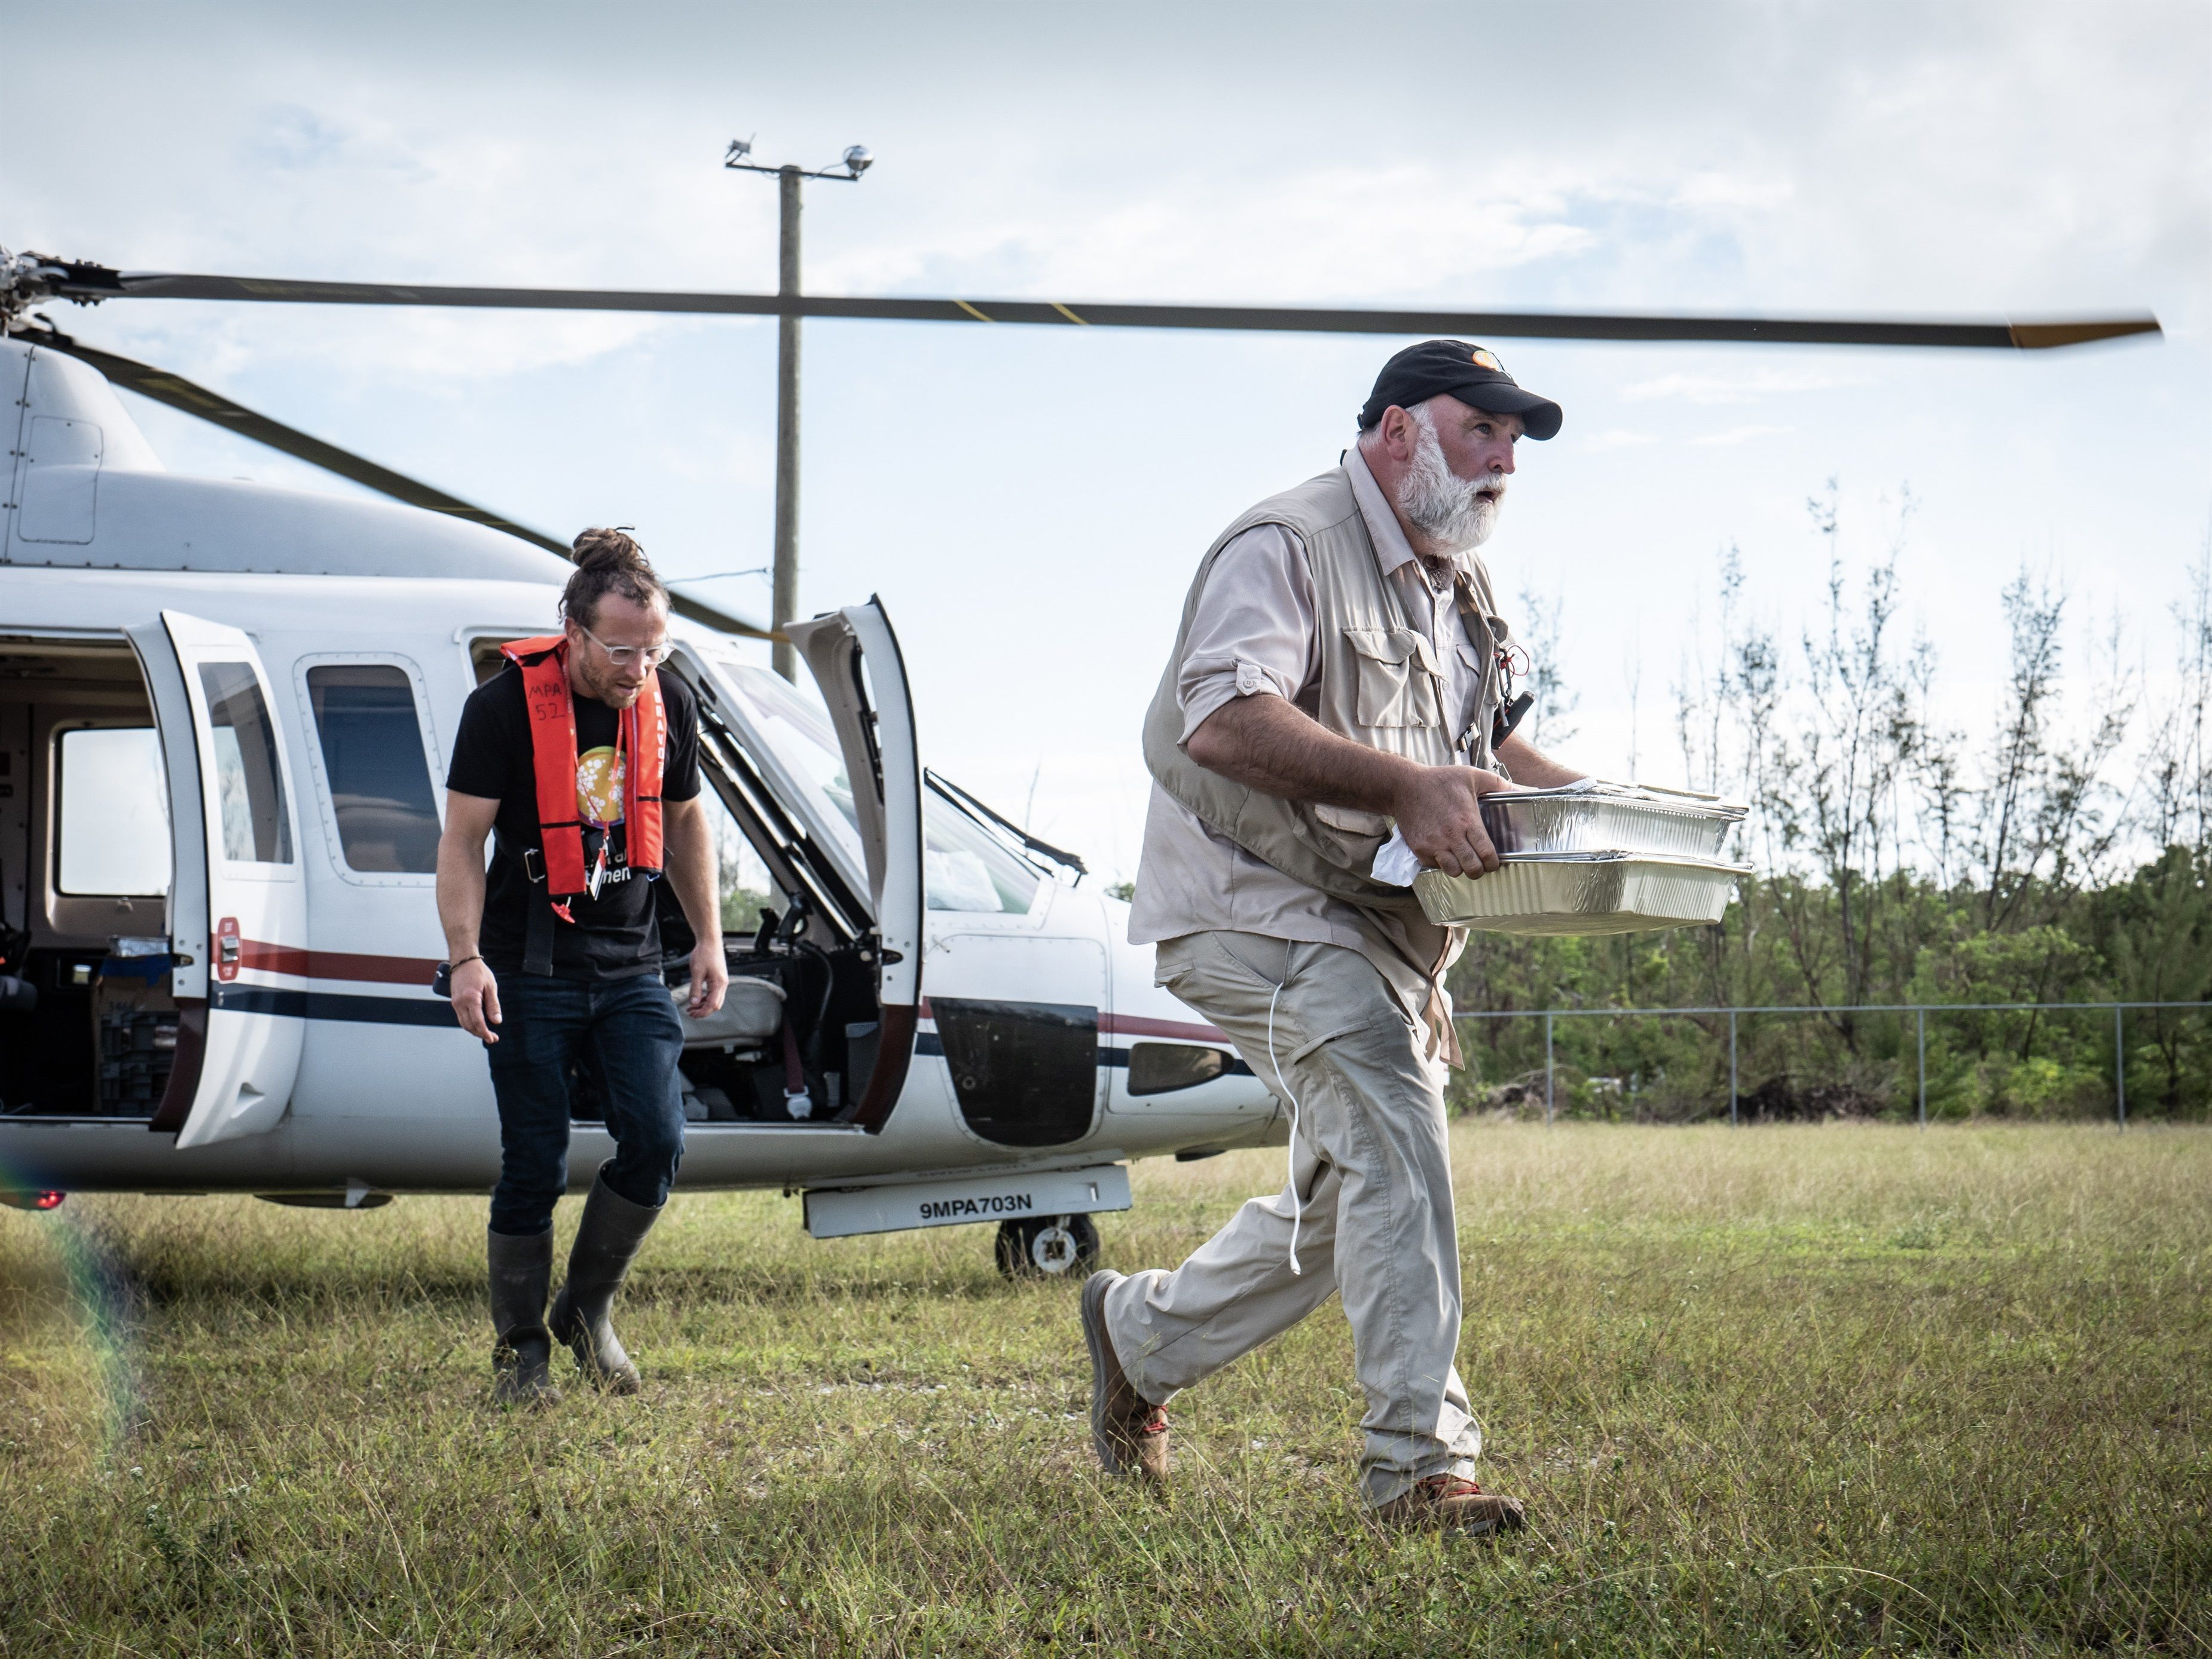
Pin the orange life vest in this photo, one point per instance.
(641, 741)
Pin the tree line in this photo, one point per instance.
(2059, 851)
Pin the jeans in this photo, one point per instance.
(628, 1033)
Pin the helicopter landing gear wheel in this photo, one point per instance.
(1047, 1247)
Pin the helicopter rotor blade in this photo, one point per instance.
(177, 392)
(90, 284)
(707, 615)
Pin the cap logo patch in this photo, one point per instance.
(1482, 359)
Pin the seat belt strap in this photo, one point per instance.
(796, 1100)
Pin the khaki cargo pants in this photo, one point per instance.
(1369, 1181)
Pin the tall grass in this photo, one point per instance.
(1835, 1391)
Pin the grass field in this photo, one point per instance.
(1831, 1390)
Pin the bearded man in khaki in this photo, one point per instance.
(1338, 670)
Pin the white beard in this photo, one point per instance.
(1458, 514)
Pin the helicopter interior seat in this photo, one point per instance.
(89, 1029)
(795, 1040)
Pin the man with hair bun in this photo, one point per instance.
(582, 763)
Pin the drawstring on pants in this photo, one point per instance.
(1290, 1160)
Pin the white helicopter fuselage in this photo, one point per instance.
(272, 647)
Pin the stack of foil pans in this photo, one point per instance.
(1610, 817)
(1593, 859)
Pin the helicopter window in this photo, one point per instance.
(114, 812)
(484, 660)
(371, 744)
(256, 827)
(1161, 1068)
(966, 868)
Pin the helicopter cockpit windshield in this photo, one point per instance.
(968, 865)
(797, 730)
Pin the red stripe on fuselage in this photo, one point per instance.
(335, 964)
(1137, 1025)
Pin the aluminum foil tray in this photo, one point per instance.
(1600, 892)
(1610, 817)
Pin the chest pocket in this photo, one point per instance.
(1479, 639)
(1399, 682)
(1471, 671)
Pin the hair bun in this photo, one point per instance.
(609, 550)
(608, 561)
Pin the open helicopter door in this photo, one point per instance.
(238, 907)
(854, 658)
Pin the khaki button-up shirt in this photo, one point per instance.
(1254, 633)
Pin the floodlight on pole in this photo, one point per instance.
(856, 160)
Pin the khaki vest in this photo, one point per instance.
(1380, 686)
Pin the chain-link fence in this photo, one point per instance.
(1919, 1012)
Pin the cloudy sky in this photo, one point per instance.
(1030, 503)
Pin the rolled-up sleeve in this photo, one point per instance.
(1253, 631)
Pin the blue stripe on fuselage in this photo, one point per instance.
(436, 1013)
(336, 1005)
(928, 1042)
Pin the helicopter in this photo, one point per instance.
(225, 708)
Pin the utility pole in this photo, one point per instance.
(784, 605)
(856, 160)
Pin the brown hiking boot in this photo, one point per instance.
(1128, 1431)
(1453, 1503)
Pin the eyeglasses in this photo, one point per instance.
(621, 656)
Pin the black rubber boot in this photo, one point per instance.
(521, 1273)
(607, 1244)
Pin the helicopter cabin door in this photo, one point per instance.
(854, 658)
(238, 909)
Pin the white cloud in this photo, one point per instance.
(430, 354)
(1332, 233)
(1736, 434)
(1717, 191)
(1747, 387)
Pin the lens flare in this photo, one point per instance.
(98, 1297)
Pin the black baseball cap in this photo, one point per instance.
(1468, 373)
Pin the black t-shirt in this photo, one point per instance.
(616, 935)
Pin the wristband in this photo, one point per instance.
(441, 981)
